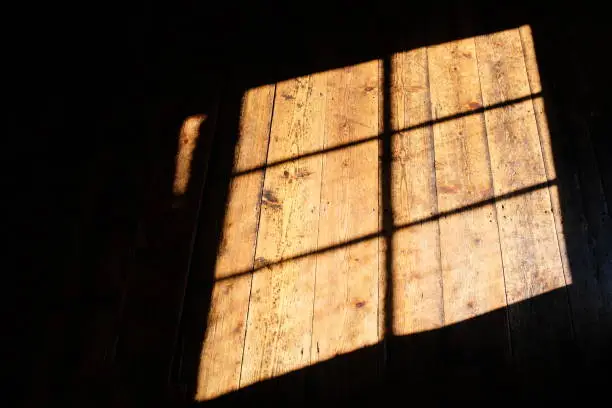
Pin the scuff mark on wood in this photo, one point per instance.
(448, 189)
(260, 262)
(302, 172)
(415, 88)
(270, 199)
(474, 105)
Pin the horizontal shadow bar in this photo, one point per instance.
(482, 109)
(373, 235)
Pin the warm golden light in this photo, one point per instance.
(187, 142)
(301, 273)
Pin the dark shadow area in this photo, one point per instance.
(111, 294)
(434, 368)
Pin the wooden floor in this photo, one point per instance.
(426, 219)
(475, 225)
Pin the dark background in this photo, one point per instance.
(102, 304)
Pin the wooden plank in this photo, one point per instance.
(471, 260)
(384, 117)
(417, 280)
(279, 324)
(346, 294)
(415, 274)
(528, 238)
(469, 243)
(578, 265)
(223, 345)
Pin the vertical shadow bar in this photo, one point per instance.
(387, 219)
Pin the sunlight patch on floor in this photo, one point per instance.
(301, 267)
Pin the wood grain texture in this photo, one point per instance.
(539, 113)
(417, 280)
(280, 313)
(471, 259)
(528, 236)
(517, 163)
(222, 350)
(472, 275)
(346, 294)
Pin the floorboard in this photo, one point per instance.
(472, 269)
(528, 236)
(223, 347)
(279, 327)
(346, 292)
